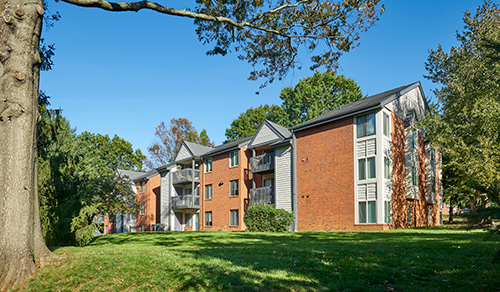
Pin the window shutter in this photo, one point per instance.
(362, 192)
(371, 147)
(361, 149)
(372, 192)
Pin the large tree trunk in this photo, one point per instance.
(22, 248)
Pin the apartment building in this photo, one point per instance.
(362, 166)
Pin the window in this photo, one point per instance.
(208, 165)
(143, 208)
(233, 185)
(387, 168)
(366, 168)
(429, 217)
(233, 159)
(142, 227)
(368, 212)
(388, 212)
(106, 229)
(414, 175)
(387, 126)
(367, 203)
(189, 219)
(409, 214)
(233, 220)
(366, 125)
(143, 183)
(268, 182)
(208, 192)
(208, 218)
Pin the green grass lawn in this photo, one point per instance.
(436, 259)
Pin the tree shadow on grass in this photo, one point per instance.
(331, 261)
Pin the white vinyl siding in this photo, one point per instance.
(411, 163)
(283, 178)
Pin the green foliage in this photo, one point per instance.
(272, 33)
(318, 94)
(79, 170)
(168, 141)
(84, 225)
(465, 121)
(309, 98)
(266, 218)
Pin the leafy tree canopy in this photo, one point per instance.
(309, 98)
(464, 122)
(168, 141)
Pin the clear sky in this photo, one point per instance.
(125, 73)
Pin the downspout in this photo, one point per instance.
(253, 175)
(294, 180)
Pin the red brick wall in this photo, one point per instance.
(325, 177)
(221, 202)
(151, 198)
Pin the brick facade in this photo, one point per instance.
(151, 198)
(325, 177)
(222, 203)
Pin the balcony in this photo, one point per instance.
(263, 195)
(185, 176)
(186, 202)
(262, 163)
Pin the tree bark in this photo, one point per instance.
(22, 249)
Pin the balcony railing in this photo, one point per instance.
(185, 176)
(186, 202)
(262, 163)
(262, 195)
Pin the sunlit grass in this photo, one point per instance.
(401, 260)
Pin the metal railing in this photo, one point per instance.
(262, 162)
(262, 195)
(185, 175)
(186, 202)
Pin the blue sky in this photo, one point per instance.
(125, 73)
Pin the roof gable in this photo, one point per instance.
(268, 133)
(363, 105)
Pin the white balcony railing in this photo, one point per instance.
(262, 162)
(262, 195)
(185, 175)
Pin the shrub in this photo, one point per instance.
(266, 218)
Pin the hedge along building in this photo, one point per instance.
(363, 166)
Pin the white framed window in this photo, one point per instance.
(142, 227)
(233, 220)
(233, 188)
(143, 184)
(366, 125)
(387, 168)
(366, 168)
(367, 203)
(208, 192)
(143, 208)
(233, 158)
(388, 212)
(208, 165)
(386, 125)
(106, 229)
(268, 182)
(208, 218)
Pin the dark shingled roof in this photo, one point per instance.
(147, 175)
(373, 101)
(227, 146)
(132, 175)
(198, 150)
